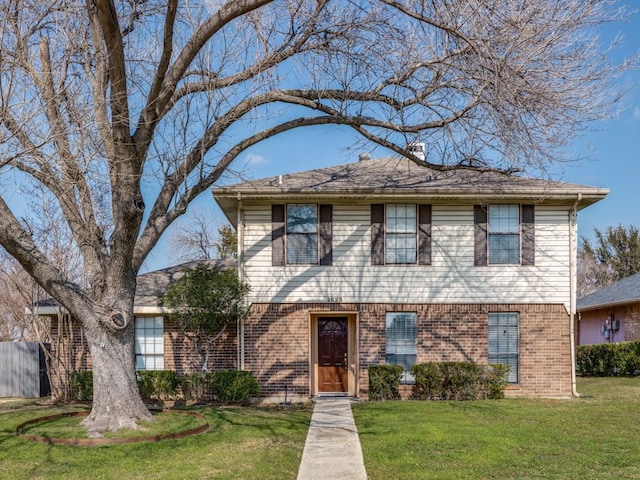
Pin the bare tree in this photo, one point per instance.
(20, 294)
(126, 111)
(199, 237)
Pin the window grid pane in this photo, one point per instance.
(149, 343)
(401, 233)
(504, 234)
(401, 343)
(504, 342)
(302, 233)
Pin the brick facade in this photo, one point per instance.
(278, 343)
(278, 339)
(180, 354)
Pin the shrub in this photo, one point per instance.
(458, 381)
(234, 386)
(384, 381)
(495, 380)
(82, 385)
(161, 384)
(609, 359)
(195, 386)
(428, 380)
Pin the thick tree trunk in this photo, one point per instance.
(116, 400)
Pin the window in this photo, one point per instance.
(401, 346)
(400, 234)
(504, 235)
(503, 342)
(301, 234)
(149, 343)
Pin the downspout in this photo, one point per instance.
(240, 247)
(573, 226)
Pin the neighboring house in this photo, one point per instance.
(384, 261)
(612, 314)
(160, 344)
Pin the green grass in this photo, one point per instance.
(243, 443)
(595, 436)
(592, 437)
(70, 427)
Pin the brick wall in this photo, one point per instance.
(632, 322)
(180, 353)
(277, 343)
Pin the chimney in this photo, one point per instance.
(364, 156)
(417, 149)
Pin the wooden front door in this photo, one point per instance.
(332, 354)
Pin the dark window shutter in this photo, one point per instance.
(326, 231)
(277, 235)
(377, 234)
(480, 235)
(528, 235)
(424, 234)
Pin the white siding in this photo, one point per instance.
(452, 277)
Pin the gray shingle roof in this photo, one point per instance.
(152, 285)
(621, 292)
(399, 176)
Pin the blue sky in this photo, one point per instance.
(609, 153)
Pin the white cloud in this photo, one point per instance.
(253, 159)
(636, 113)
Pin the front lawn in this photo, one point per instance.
(595, 436)
(243, 443)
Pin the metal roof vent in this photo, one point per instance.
(364, 156)
(417, 149)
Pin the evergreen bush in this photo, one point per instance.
(609, 359)
(458, 381)
(234, 386)
(384, 381)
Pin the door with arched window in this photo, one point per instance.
(333, 360)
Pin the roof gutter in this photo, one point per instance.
(573, 230)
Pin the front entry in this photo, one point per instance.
(333, 367)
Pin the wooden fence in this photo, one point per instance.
(23, 370)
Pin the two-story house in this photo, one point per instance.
(384, 261)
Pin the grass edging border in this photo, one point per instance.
(97, 442)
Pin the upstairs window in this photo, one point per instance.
(302, 233)
(504, 234)
(400, 234)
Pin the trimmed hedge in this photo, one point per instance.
(224, 386)
(609, 359)
(458, 381)
(384, 381)
(234, 386)
(160, 384)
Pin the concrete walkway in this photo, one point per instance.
(332, 450)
